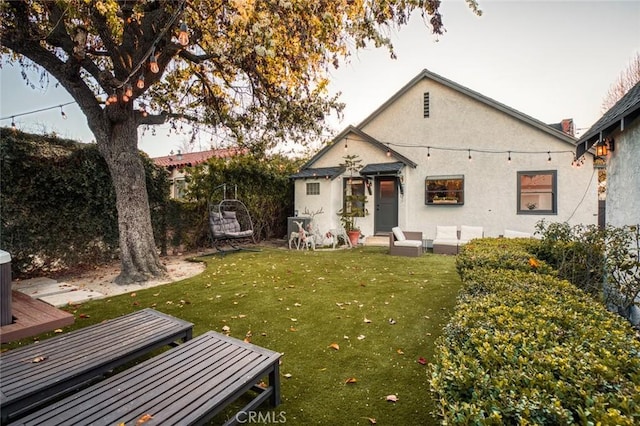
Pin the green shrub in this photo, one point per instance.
(504, 253)
(528, 348)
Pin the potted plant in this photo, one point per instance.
(354, 203)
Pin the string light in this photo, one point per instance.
(388, 151)
(13, 123)
(428, 153)
(128, 91)
(470, 155)
(64, 116)
(153, 62)
(140, 82)
(549, 159)
(183, 36)
(509, 159)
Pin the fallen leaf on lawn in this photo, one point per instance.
(334, 346)
(350, 380)
(361, 337)
(39, 358)
(136, 303)
(133, 294)
(533, 262)
(57, 330)
(84, 316)
(247, 337)
(297, 304)
(292, 328)
(392, 321)
(262, 385)
(144, 419)
(294, 319)
(226, 329)
(367, 320)
(422, 361)
(371, 420)
(242, 316)
(400, 352)
(392, 398)
(288, 376)
(346, 337)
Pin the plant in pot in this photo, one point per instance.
(354, 199)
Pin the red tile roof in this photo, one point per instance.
(193, 158)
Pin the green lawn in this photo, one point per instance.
(299, 303)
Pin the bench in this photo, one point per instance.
(37, 373)
(189, 384)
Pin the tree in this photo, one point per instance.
(252, 69)
(626, 80)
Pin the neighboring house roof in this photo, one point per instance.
(189, 159)
(475, 95)
(373, 141)
(327, 172)
(618, 116)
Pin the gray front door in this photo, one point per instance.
(386, 204)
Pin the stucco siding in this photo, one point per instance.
(623, 179)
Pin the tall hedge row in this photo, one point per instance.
(525, 347)
(58, 203)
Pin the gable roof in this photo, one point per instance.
(618, 116)
(327, 172)
(367, 138)
(475, 95)
(189, 159)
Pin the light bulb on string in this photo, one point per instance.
(153, 62)
(509, 159)
(470, 155)
(549, 154)
(140, 82)
(64, 116)
(428, 152)
(13, 124)
(128, 91)
(388, 151)
(113, 98)
(183, 36)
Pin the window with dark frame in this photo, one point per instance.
(313, 188)
(444, 190)
(537, 192)
(354, 190)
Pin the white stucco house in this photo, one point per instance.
(619, 130)
(437, 153)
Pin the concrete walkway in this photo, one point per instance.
(55, 293)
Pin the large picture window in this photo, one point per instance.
(444, 190)
(353, 201)
(537, 192)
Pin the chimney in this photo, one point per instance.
(567, 126)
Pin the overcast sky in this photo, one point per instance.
(550, 60)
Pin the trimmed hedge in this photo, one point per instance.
(527, 348)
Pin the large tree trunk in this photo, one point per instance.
(138, 255)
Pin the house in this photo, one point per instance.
(176, 165)
(617, 136)
(438, 153)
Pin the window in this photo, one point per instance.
(444, 190)
(537, 192)
(179, 187)
(354, 197)
(313, 188)
(425, 104)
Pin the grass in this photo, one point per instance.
(299, 303)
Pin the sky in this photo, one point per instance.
(550, 60)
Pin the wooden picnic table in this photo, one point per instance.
(189, 384)
(35, 374)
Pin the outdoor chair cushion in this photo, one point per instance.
(468, 233)
(408, 243)
(398, 233)
(446, 235)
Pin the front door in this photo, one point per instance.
(386, 204)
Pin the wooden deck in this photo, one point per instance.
(32, 317)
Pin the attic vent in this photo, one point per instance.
(425, 107)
